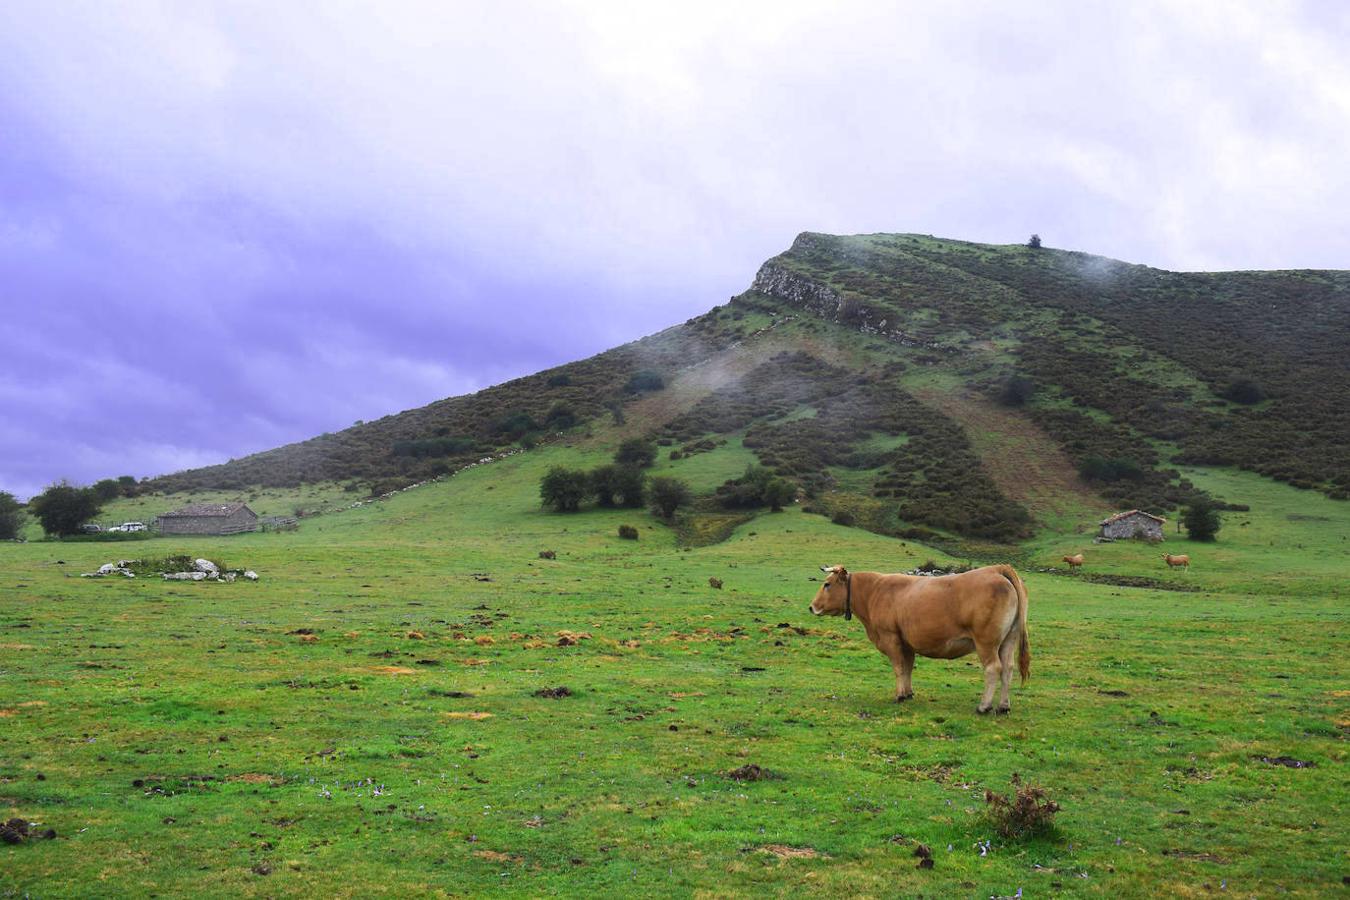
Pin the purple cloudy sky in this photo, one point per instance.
(225, 226)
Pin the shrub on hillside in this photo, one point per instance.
(11, 517)
(1016, 391)
(1201, 520)
(628, 532)
(561, 416)
(515, 425)
(757, 487)
(646, 380)
(106, 490)
(668, 494)
(1116, 468)
(63, 508)
(562, 379)
(638, 452)
(564, 489)
(615, 485)
(1244, 391)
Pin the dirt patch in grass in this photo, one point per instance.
(1113, 693)
(783, 851)
(1287, 761)
(467, 715)
(1196, 855)
(554, 693)
(498, 856)
(752, 772)
(393, 670)
(257, 778)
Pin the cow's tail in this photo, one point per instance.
(1023, 646)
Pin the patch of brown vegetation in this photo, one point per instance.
(497, 856)
(484, 640)
(1023, 461)
(475, 716)
(415, 635)
(783, 851)
(394, 670)
(1027, 811)
(307, 638)
(1196, 855)
(257, 778)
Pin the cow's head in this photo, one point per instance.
(833, 597)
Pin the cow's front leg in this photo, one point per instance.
(901, 663)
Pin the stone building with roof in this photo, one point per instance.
(209, 518)
(1132, 523)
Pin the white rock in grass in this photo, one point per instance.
(251, 575)
(205, 565)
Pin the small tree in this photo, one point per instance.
(1034, 242)
(564, 489)
(1202, 520)
(11, 517)
(106, 490)
(631, 486)
(667, 495)
(128, 485)
(603, 483)
(638, 452)
(63, 508)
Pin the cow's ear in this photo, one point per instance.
(842, 572)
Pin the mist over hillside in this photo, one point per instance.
(916, 380)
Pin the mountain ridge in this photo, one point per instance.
(1127, 370)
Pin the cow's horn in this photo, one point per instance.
(827, 568)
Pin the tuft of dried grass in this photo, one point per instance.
(1027, 811)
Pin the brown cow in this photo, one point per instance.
(942, 617)
(1074, 561)
(1174, 561)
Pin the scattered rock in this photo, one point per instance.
(205, 565)
(15, 831)
(251, 575)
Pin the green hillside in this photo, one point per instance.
(923, 387)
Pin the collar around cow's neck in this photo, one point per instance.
(848, 596)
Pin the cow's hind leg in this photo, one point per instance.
(1005, 659)
(993, 668)
(904, 686)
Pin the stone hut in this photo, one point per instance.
(209, 518)
(1132, 523)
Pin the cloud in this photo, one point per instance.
(376, 204)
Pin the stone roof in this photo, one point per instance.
(1131, 512)
(206, 509)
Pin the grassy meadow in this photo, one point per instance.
(363, 720)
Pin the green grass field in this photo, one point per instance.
(184, 739)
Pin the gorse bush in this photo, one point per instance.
(668, 495)
(646, 380)
(628, 532)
